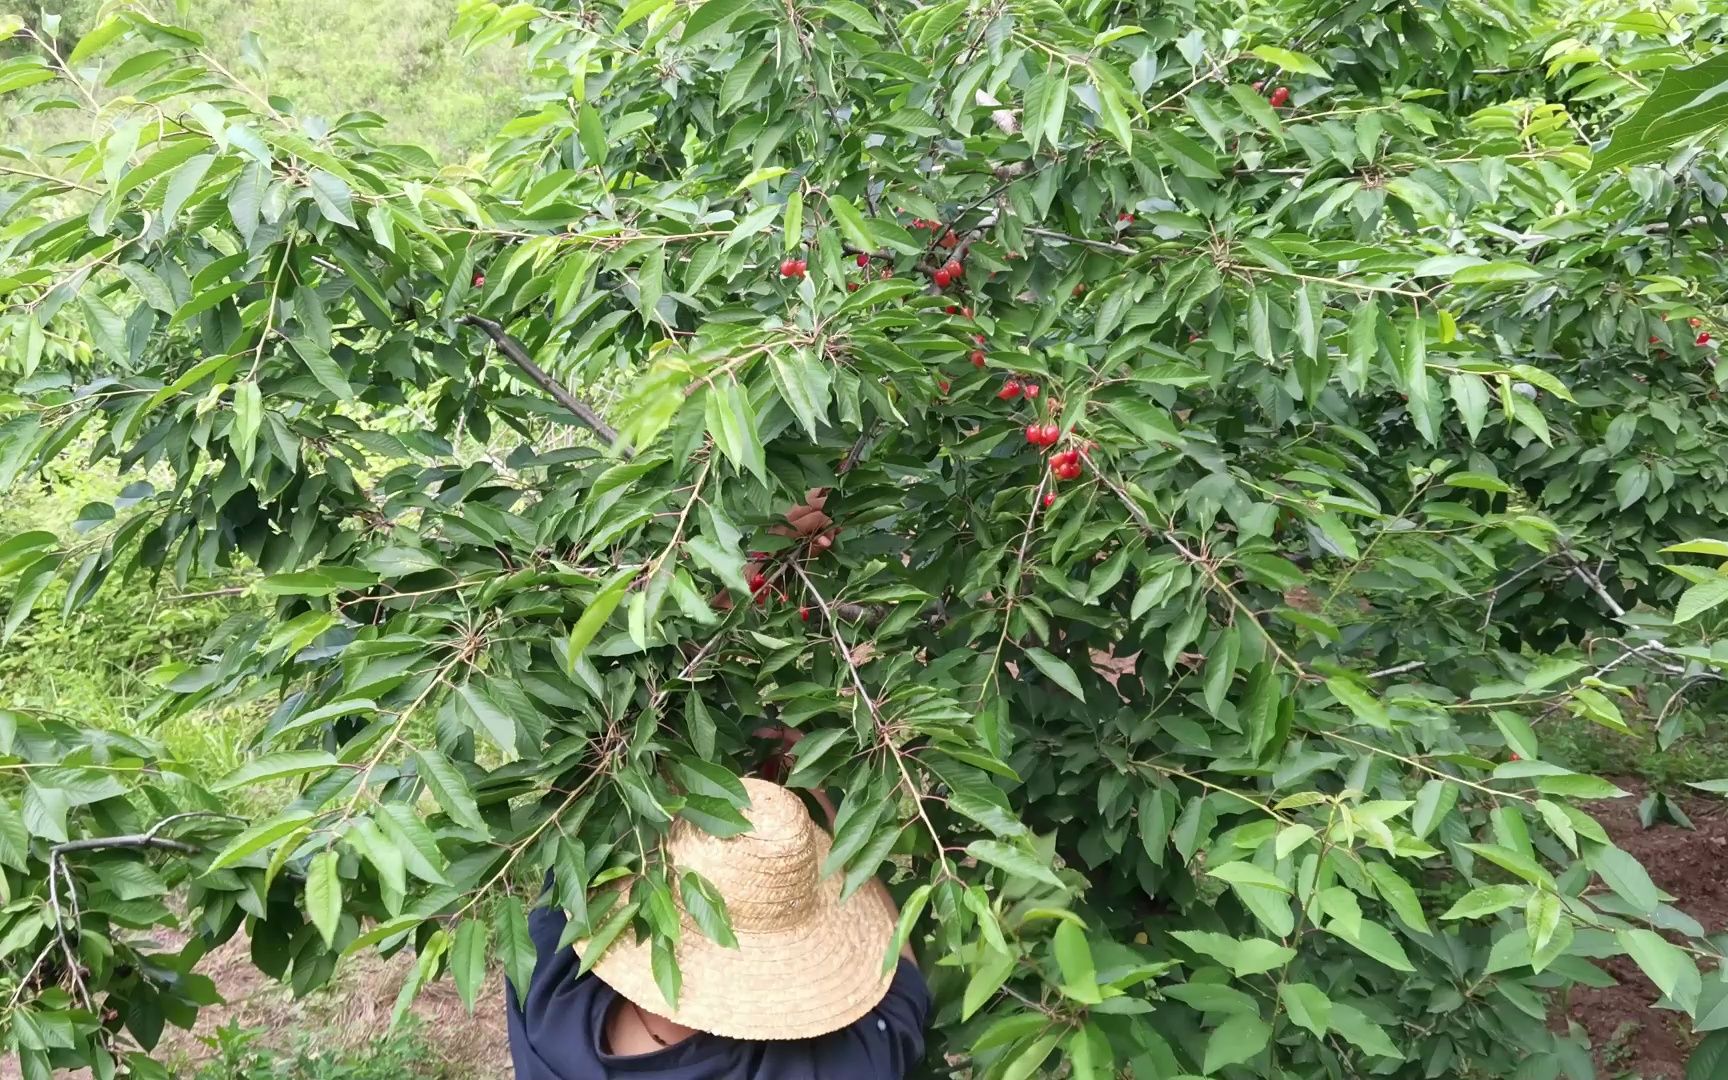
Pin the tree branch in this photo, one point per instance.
(517, 355)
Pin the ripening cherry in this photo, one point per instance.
(949, 239)
(942, 385)
(966, 313)
(479, 280)
(1694, 322)
(977, 339)
(1079, 287)
(1654, 339)
(977, 358)
(1031, 390)
(851, 286)
(1259, 86)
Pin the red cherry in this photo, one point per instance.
(1050, 434)
(949, 239)
(941, 278)
(966, 312)
(942, 384)
(1704, 338)
(978, 339)
(1694, 322)
(1032, 389)
(955, 270)
(952, 310)
(1280, 96)
(1010, 390)
(762, 598)
(1654, 339)
(1515, 757)
(1069, 472)
(479, 280)
(758, 556)
(1049, 499)
(1035, 434)
(863, 260)
(1125, 217)
(851, 286)
(1079, 288)
(978, 358)
(1193, 338)
(804, 614)
(757, 581)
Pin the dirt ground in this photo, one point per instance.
(1629, 1038)
(354, 1011)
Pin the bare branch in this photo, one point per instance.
(517, 355)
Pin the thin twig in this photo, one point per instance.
(517, 355)
(1097, 245)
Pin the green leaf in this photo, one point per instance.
(1700, 598)
(1308, 1006)
(1399, 895)
(333, 197)
(1622, 873)
(1664, 963)
(1016, 862)
(1056, 671)
(805, 385)
(1349, 1022)
(1496, 273)
(594, 616)
(710, 19)
(1289, 60)
(1238, 1039)
(256, 837)
(1074, 959)
(324, 894)
(448, 787)
(1486, 900)
(1247, 874)
(1361, 702)
(467, 961)
(851, 222)
(277, 766)
(515, 947)
(1686, 103)
(707, 909)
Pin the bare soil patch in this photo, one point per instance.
(354, 1011)
(1629, 1038)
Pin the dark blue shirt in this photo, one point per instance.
(559, 1034)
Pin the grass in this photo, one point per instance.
(1700, 754)
(91, 667)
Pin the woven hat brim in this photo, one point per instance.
(797, 984)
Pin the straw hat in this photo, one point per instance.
(806, 964)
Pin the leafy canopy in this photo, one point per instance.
(1212, 747)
